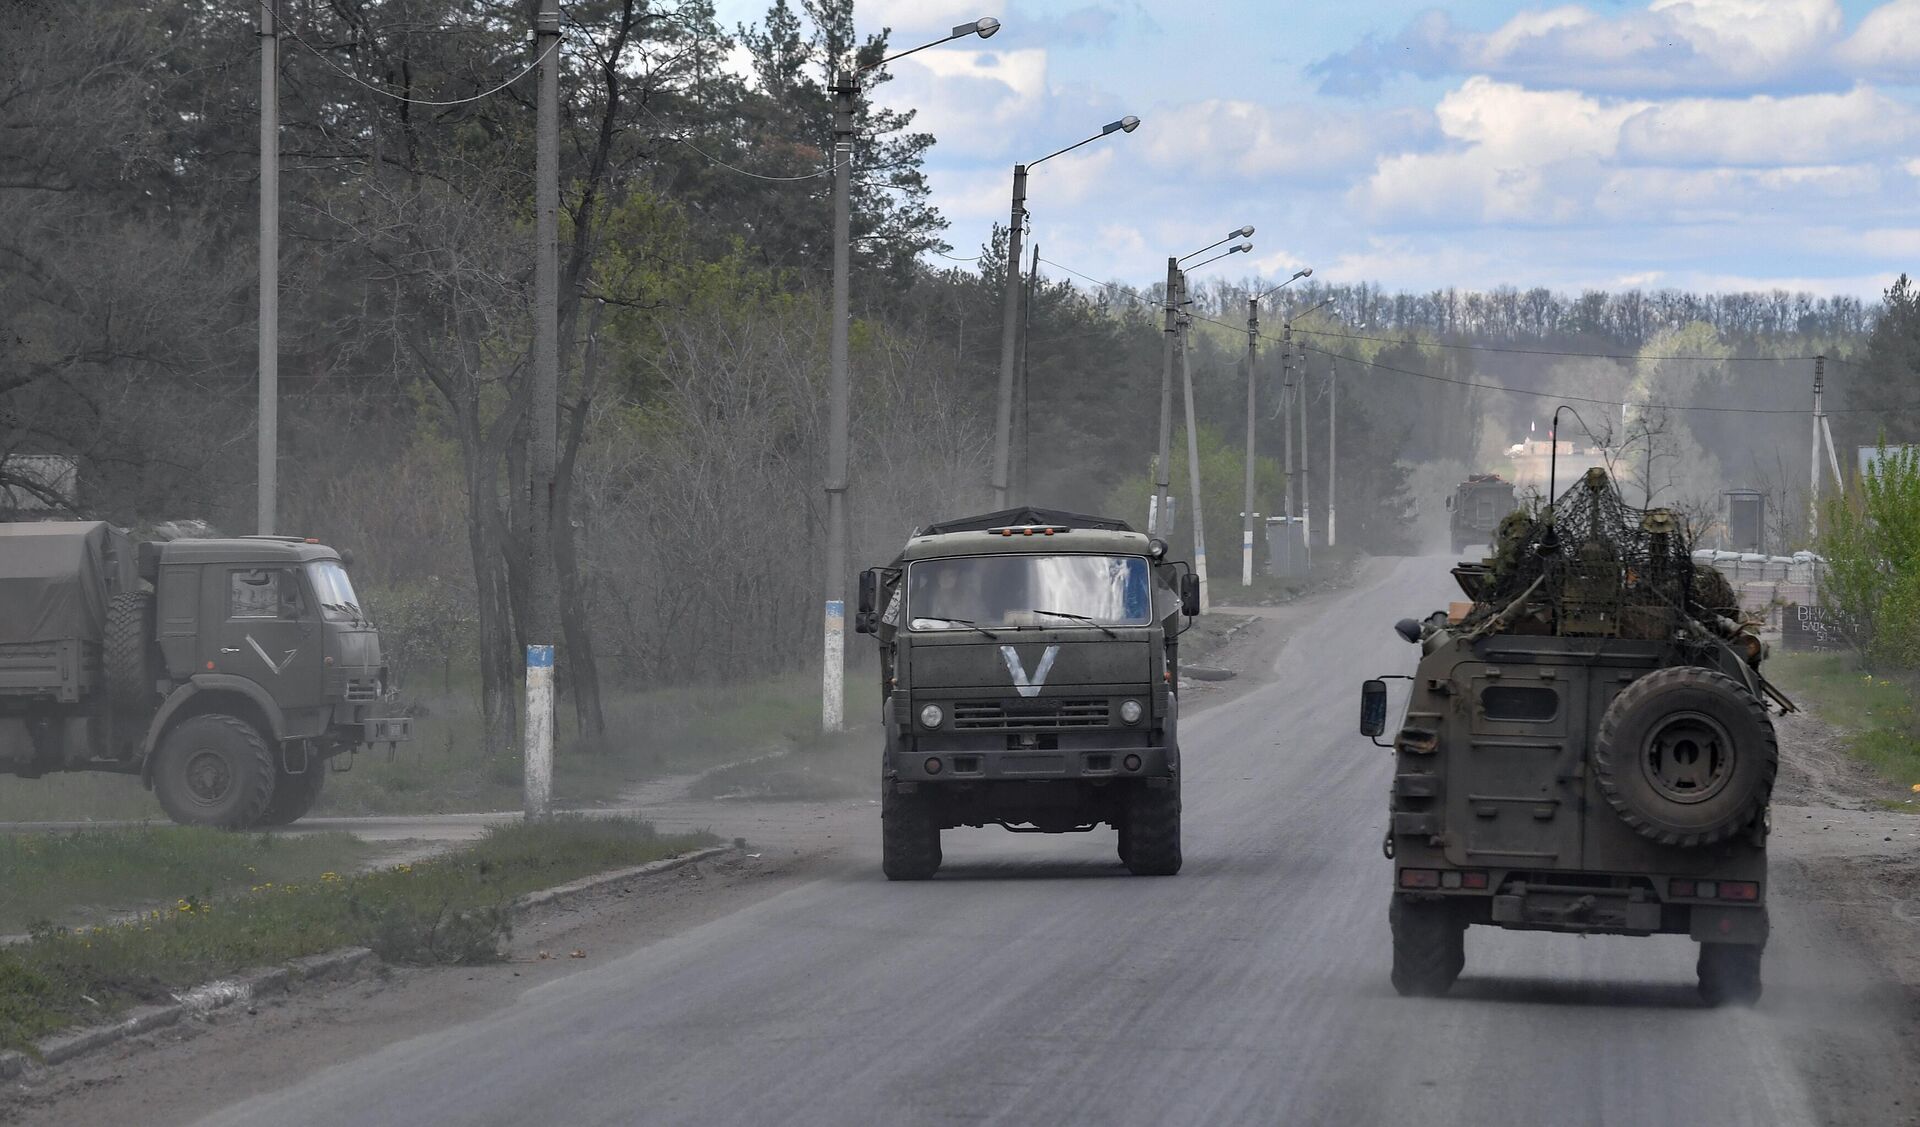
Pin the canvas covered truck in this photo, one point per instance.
(1475, 510)
(226, 673)
(1588, 750)
(1028, 680)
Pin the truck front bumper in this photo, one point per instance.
(935, 767)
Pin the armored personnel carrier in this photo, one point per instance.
(1587, 750)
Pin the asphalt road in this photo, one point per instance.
(1034, 982)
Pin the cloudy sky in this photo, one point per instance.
(1688, 143)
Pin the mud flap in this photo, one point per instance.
(1711, 923)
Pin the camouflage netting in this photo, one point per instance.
(1593, 566)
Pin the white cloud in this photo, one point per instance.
(1232, 137)
(1668, 45)
(1887, 42)
(1763, 130)
(969, 99)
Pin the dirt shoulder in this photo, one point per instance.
(166, 1077)
(1837, 845)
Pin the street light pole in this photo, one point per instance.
(1333, 467)
(1010, 312)
(1253, 336)
(1159, 525)
(1009, 339)
(269, 360)
(1193, 462)
(543, 425)
(846, 88)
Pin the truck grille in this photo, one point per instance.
(1050, 715)
(342, 687)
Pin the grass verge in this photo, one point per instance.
(454, 909)
(96, 875)
(1876, 711)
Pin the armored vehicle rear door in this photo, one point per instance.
(1514, 775)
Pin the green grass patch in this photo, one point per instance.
(1875, 710)
(92, 876)
(455, 909)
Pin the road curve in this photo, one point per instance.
(1034, 982)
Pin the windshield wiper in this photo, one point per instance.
(1104, 629)
(960, 622)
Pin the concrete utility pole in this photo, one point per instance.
(1813, 488)
(833, 696)
(543, 419)
(1286, 434)
(1010, 314)
(1160, 525)
(1246, 514)
(1026, 375)
(1333, 467)
(1009, 339)
(846, 88)
(1306, 505)
(269, 361)
(1193, 462)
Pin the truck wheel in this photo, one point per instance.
(1730, 973)
(1429, 947)
(128, 658)
(1150, 832)
(1686, 756)
(216, 771)
(909, 839)
(294, 795)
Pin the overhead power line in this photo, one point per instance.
(386, 93)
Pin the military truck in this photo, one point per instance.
(225, 673)
(1028, 679)
(1588, 750)
(1475, 509)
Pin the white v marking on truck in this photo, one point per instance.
(1029, 687)
(288, 660)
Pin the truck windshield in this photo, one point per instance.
(335, 591)
(1015, 591)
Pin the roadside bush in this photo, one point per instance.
(1872, 546)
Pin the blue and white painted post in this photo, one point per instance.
(539, 733)
(832, 683)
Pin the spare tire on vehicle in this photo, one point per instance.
(130, 657)
(1686, 756)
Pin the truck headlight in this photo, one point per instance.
(931, 716)
(1130, 711)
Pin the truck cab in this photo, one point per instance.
(227, 673)
(1029, 680)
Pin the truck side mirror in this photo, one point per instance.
(865, 620)
(1373, 708)
(1190, 594)
(1449, 504)
(1408, 629)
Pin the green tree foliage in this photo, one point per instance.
(1871, 541)
(1883, 389)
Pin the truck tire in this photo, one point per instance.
(128, 656)
(1686, 756)
(214, 770)
(1150, 831)
(909, 839)
(294, 795)
(1730, 973)
(1429, 946)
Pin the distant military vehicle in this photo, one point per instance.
(1028, 680)
(226, 673)
(1587, 751)
(1475, 510)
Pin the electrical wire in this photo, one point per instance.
(1554, 352)
(385, 93)
(710, 158)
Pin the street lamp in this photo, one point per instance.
(1253, 336)
(1010, 321)
(846, 86)
(1177, 323)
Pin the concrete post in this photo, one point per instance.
(1009, 340)
(1163, 467)
(543, 421)
(833, 655)
(269, 358)
(1246, 515)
